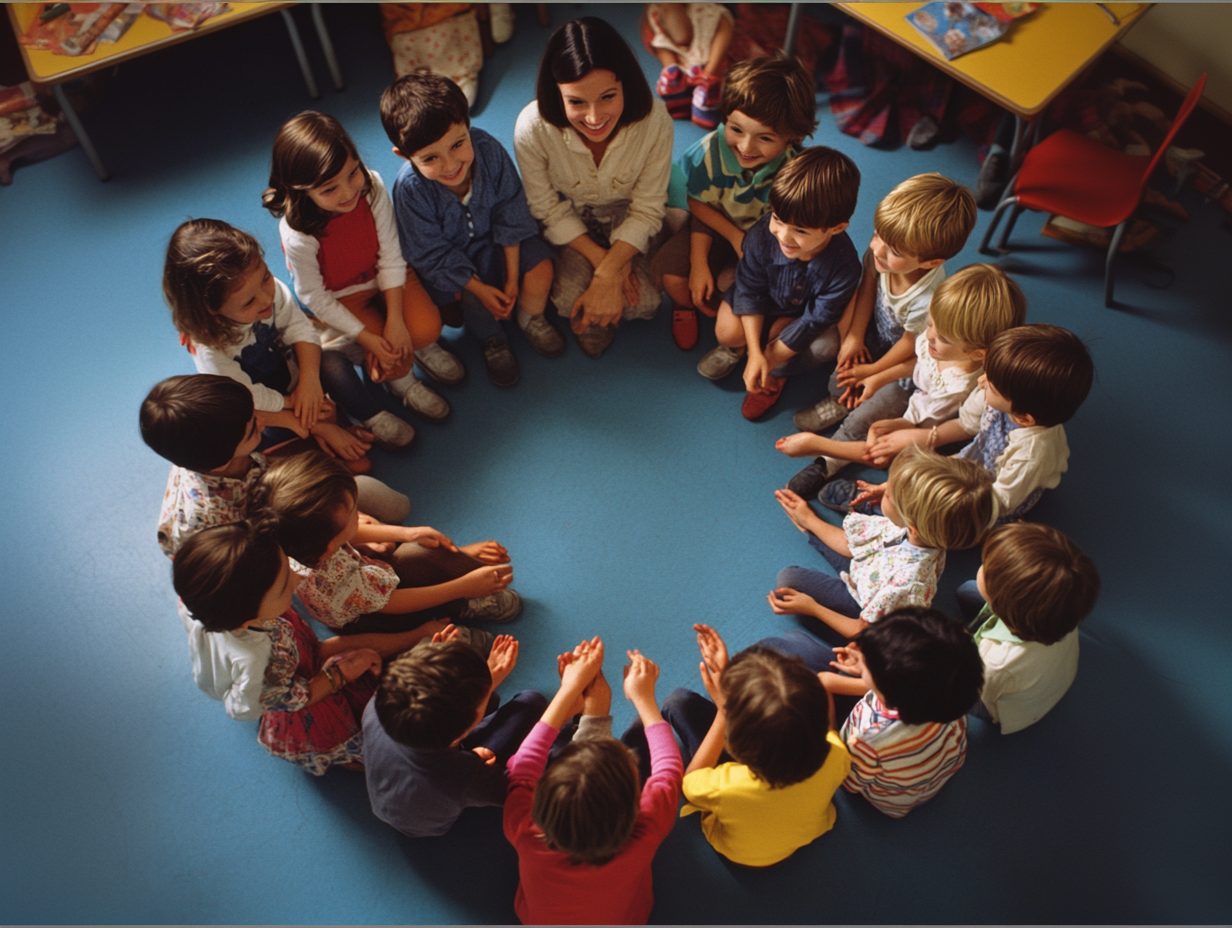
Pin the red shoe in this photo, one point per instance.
(684, 327)
(760, 402)
(676, 90)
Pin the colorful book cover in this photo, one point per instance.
(956, 28)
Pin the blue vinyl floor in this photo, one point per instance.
(635, 501)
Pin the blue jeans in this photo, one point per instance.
(970, 601)
(356, 396)
(503, 731)
(827, 589)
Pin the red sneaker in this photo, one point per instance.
(684, 327)
(676, 90)
(760, 402)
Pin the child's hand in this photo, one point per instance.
(640, 676)
(868, 493)
(354, 664)
(756, 370)
(493, 300)
(399, 338)
(484, 754)
(502, 658)
(701, 283)
(487, 552)
(796, 445)
(714, 661)
(448, 633)
(306, 401)
(849, 660)
(563, 660)
(511, 291)
(852, 352)
(786, 601)
(380, 350)
(337, 442)
(797, 509)
(485, 580)
(585, 664)
(880, 451)
(428, 537)
(597, 698)
(853, 374)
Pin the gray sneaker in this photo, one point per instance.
(498, 360)
(477, 638)
(495, 608)
(390, 430)
(544, 337)
(820, 417)
(440, 365)
(719, 361)
(596, 339)
(418, 397)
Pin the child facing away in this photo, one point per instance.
(793, 281)
(253, 652)
(768, 108)
(690, 40)
(464, 222)
(432, 748)
(966, 313)
(930, 503)
(1035, 378)
(312, 502)
(341, 243)
(764, 760)
(917, 227)
(1034, 587)
(237, 319)
(586, 831)
(206, 426)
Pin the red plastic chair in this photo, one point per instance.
(1070, 175)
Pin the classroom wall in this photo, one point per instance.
(1184, 39)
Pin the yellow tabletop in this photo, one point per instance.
(145, 35)
(1033, 62)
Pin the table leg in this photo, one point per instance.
(298, 45)
(327, 46)
(793, 28)
(80, 131)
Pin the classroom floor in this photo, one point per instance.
(635, 501)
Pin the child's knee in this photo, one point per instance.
(727, 327)
(539, 278)
(678, 289)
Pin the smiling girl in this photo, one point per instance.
(595, 150)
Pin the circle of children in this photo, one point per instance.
(406, 689)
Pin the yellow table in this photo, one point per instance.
(1038, 57)
(146, 35)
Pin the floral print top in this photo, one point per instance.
(887, 571)
(194, 501)
(345, 586)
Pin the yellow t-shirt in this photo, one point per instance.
(748, 822)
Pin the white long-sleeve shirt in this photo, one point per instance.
(561, 177)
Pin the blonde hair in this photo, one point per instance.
(976, 304)
(948, 501)
(777, 91)
(927, 216)
(206, 260)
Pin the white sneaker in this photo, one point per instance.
(418, 397)
(719, 361)
(500, 15)
(440, 365)
(390, 430)
(501, 606)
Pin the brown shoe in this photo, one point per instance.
(596, 339)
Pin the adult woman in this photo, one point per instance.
(595, 149)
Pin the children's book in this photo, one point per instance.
(956, 28)
(1007, 12)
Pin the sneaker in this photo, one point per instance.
(596, 339)
(495, 608)
(838, 494)
(390, 430)
(820, 417)
(760, 402)
(706, 97)
(440, 365)
(544, 337)
(719, 361)
(501, 365)
(684, 327)
(418, 397)
(808, 483)
(994, 174)
(478, 638)
(673, 87)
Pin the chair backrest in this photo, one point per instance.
(1187, 107)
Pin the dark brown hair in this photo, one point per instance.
(223, 572)
(1044, 371)
(586, 804)
(196, 421)
(817, 189)
(309, 149)
(775, 90)
(430, 695)
(301, 495)
(418, 108)
(579, 47)
(206, 258)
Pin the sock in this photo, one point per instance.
(402, 384)
(523, 318)
(833, 465)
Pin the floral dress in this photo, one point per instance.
(317, 736)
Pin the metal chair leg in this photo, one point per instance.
(1004, 244)
(79, 130)
(992, 226)
(1112, 253)
(327, 46)
(298, 45)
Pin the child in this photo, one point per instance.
(931, 503)
(253, 652)
(312, 502)
(773, 721)
(920, 673)
(585, 831)
(205, 425)
(338, 233)
(769, 106)
(237, 319)
(798, 267)
(463, 220)
(1035, 378)
(1038, 587)
(917, 226)
(967, 312)
(431, 747)
(691, 42)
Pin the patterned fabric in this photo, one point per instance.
(704, 19)
(345, 586)
(887, 572)
(709, 172)
(939, 391)
(909, 309)
(896, 766)
(194, 501)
